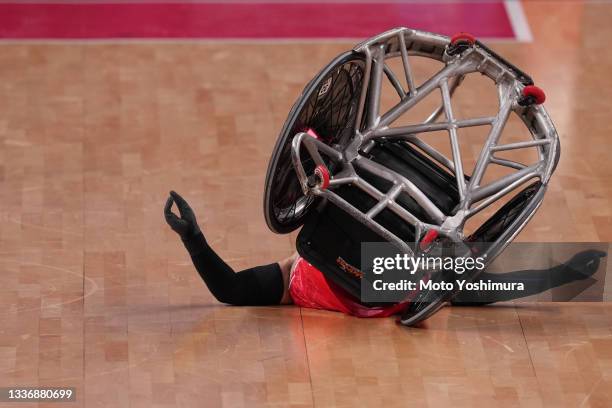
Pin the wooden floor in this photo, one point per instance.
(98, 293)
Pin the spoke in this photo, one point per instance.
(364, 90)
(292, 210)
(406, 64)
(448, 111)
(340, 97)
(357, 81)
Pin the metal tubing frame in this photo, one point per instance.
(404, 43)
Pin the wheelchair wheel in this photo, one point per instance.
(326, 108)
(428, 302)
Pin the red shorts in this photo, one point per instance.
(309, 288)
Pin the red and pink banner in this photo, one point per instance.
(250, 19)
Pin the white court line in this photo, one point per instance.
(518, 20)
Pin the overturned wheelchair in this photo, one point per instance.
(350, 171)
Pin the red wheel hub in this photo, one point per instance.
(323, 174)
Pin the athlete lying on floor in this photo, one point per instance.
(293, 279)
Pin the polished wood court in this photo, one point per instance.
(98, 293)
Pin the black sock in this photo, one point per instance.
(581, 266)
(258, 286)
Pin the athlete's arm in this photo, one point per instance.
(261, 285)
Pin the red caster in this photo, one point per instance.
(460, 42)
(463, 38)
(322, 174)
(320, 178)
(532, 95)
(428, 239)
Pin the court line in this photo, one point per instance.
(528, 348)
(93, 289)
(312, 395)
(518, 21)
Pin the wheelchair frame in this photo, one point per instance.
(460, 58)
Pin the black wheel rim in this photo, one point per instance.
(330, 110)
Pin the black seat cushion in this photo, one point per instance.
(331, 239)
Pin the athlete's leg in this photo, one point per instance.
(580, 266)
(261, 285)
